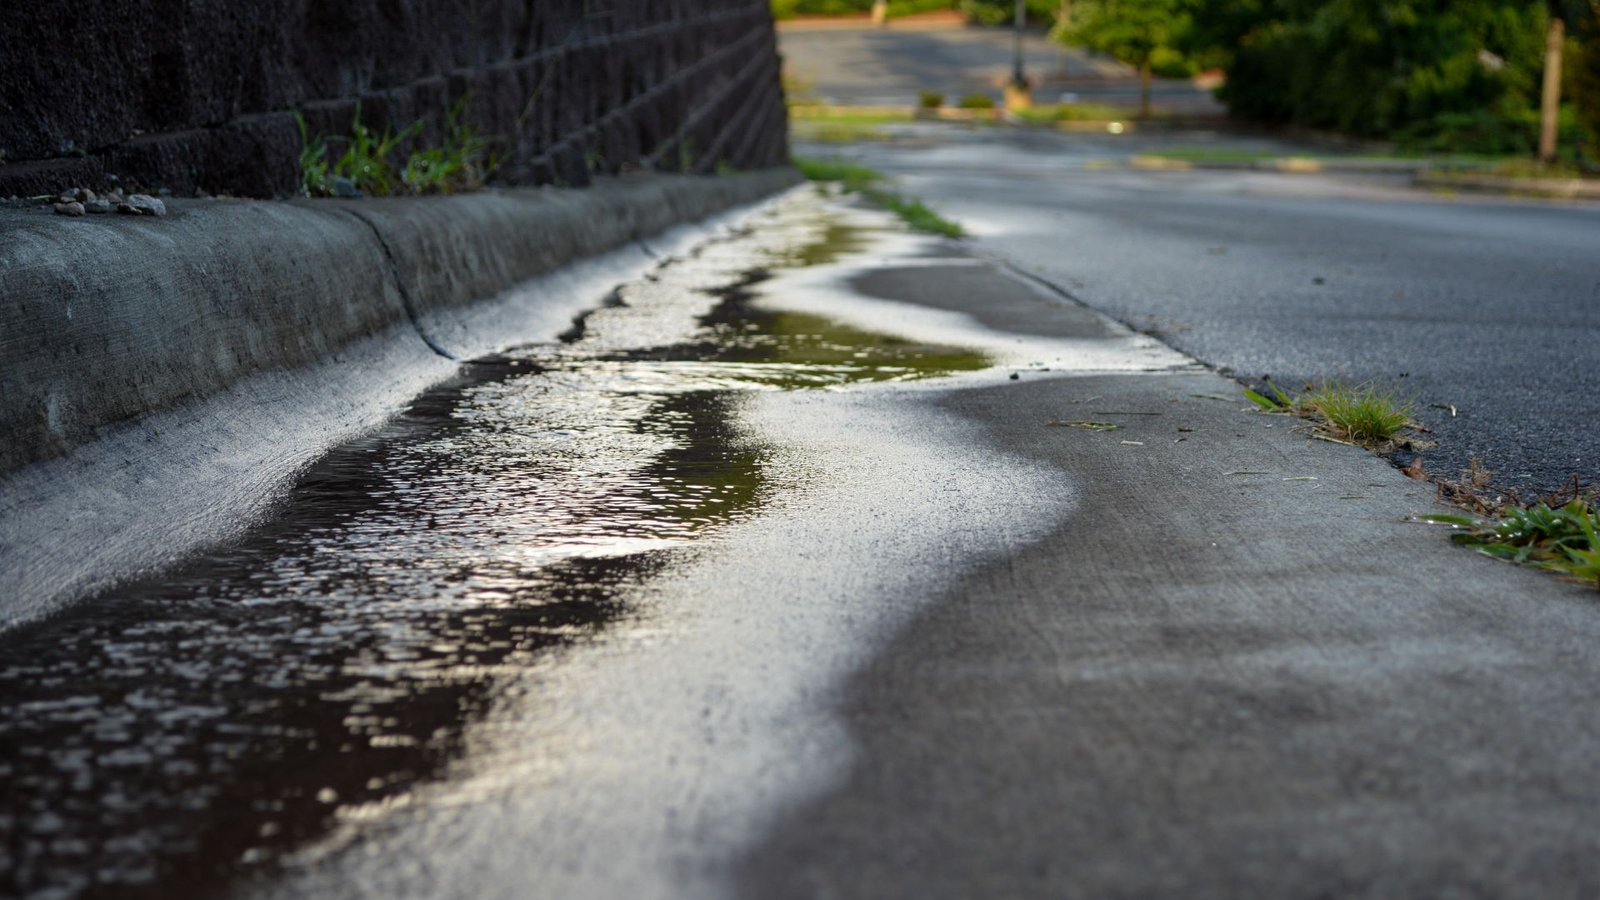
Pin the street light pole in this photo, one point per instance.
(1018, 76)
(1018, 96)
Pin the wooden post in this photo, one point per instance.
(1550, 103)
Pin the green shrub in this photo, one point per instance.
(1583, 84)
(1166, 62)
(1424, 72)
(1003, 12)
(930, 100)
(788, 9)
(976, 101)
(1479, 131)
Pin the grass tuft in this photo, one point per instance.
(861, 180)
(1360, 414)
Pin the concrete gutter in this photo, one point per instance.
(161, 379)
(107, 318)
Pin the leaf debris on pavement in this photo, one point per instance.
(1086, 424)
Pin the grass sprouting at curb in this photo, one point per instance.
(365, 161)
(914, 213)
(462, 162)
(850, 176)
(314, 169)
(368, 165)
(1563, 539)
(1358, 414)
(861, 180)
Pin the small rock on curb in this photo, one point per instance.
(142, 205)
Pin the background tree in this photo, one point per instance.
(1458, 75)
(1582, 76)
(1133, 31)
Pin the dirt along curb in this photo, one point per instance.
(1424, 174)
(161, 378)
(1555, 188)
(1303, 165)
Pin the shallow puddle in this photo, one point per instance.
(187, 729)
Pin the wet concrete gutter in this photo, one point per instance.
(159, 378)
(107, 318)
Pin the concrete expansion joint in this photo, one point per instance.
(1067, 295)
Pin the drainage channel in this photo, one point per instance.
(186, 731)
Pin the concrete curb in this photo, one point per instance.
(108, 318)
(163, 380)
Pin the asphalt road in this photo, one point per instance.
(1481, 310)
(894, 65)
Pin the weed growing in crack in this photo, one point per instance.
(1363, 415)
(1559, 536)
(365, 161)
(314, 167)
(462, 163)
(1357, 414)
(367, 166)
(1563, 539)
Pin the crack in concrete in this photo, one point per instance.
(400, 287)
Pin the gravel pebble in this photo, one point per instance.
(142, 205)
(70, 208)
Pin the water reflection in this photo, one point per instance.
(193, 726)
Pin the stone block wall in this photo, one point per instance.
(201, 95)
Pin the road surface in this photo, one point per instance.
(866, 66)
(1482, 311)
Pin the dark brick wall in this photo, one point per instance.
(200, 94)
